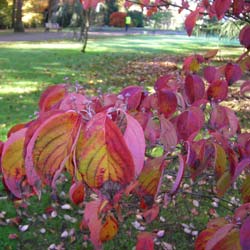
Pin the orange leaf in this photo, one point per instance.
(220, 160)
(109, 229)
(77, 193)
(223, 184)
(210, 54)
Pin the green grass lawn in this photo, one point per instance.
(109, 64)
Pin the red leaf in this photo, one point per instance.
(134, 138)
(168, 136)
(189, 122)
(77, 193)
(192, 63)
(245, 88)
(191, 21)
(16, 128)
(102, 154)
(217, 91)
(50, 147)
(145, 241)
(238, 7)
(151, 214)
(203, 238)
(244, 36)
(132, 96)
(224, 120)
(232, 72)
(52, 96)
(194, 88)
(12, 165)
(152, 131)
(244, 145)
(245, 234)
(221, 6)
(150, 179)
(92, 220)
(242, 212)
(166, 82)
(167, 102)
(218, 236)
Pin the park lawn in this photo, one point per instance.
(110, 63)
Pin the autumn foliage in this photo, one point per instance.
(117, 19)
(106, 145)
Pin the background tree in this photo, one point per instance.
(17, 16)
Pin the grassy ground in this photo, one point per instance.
(109, 64)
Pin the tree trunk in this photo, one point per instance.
(53, 5)
(13, 17)
(18, 24)
(85, 29)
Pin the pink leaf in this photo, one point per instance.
(211, 74)
(240, 167)
(245, 234)
(217, 91)
(244, 145)
(189, 122)
(152, 131)
(92, 220)
(179, 177)
(151, 214)
(134, 138)
(167, 102)
(221, 6)
(238, 7)
(218, 236)
(74, 101)
(194, 88)
(191, 21)
(145, 241)
(168, 136)
(232, 72)
(132, 96)
(244, 36)
(166, 82)
(245, 88)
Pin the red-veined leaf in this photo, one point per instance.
(167, 102)
(109, 228)
(233, 72)
(217, 90)
(132, 96)
(245, 190)
(151, 214)
(220, 7)
(16, 128)
(150, 179)
(219, 235)
(210, 54)
(74, 101)
(77, 192)
(93, 221)
(203, 238)
(51, 97)
(134, 138)
(245, 89)
(179, 176)
(12, 164)
(223, 183)
(145, 241)
(191, 21)
(189, 122)
(50, 147)
(102, 154)
(194, 88)
(224, 120)
(245, 163)
(245, 234)
(244, 36)
(168, 136)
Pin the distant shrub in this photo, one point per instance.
(117, 19)
(137, 18)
